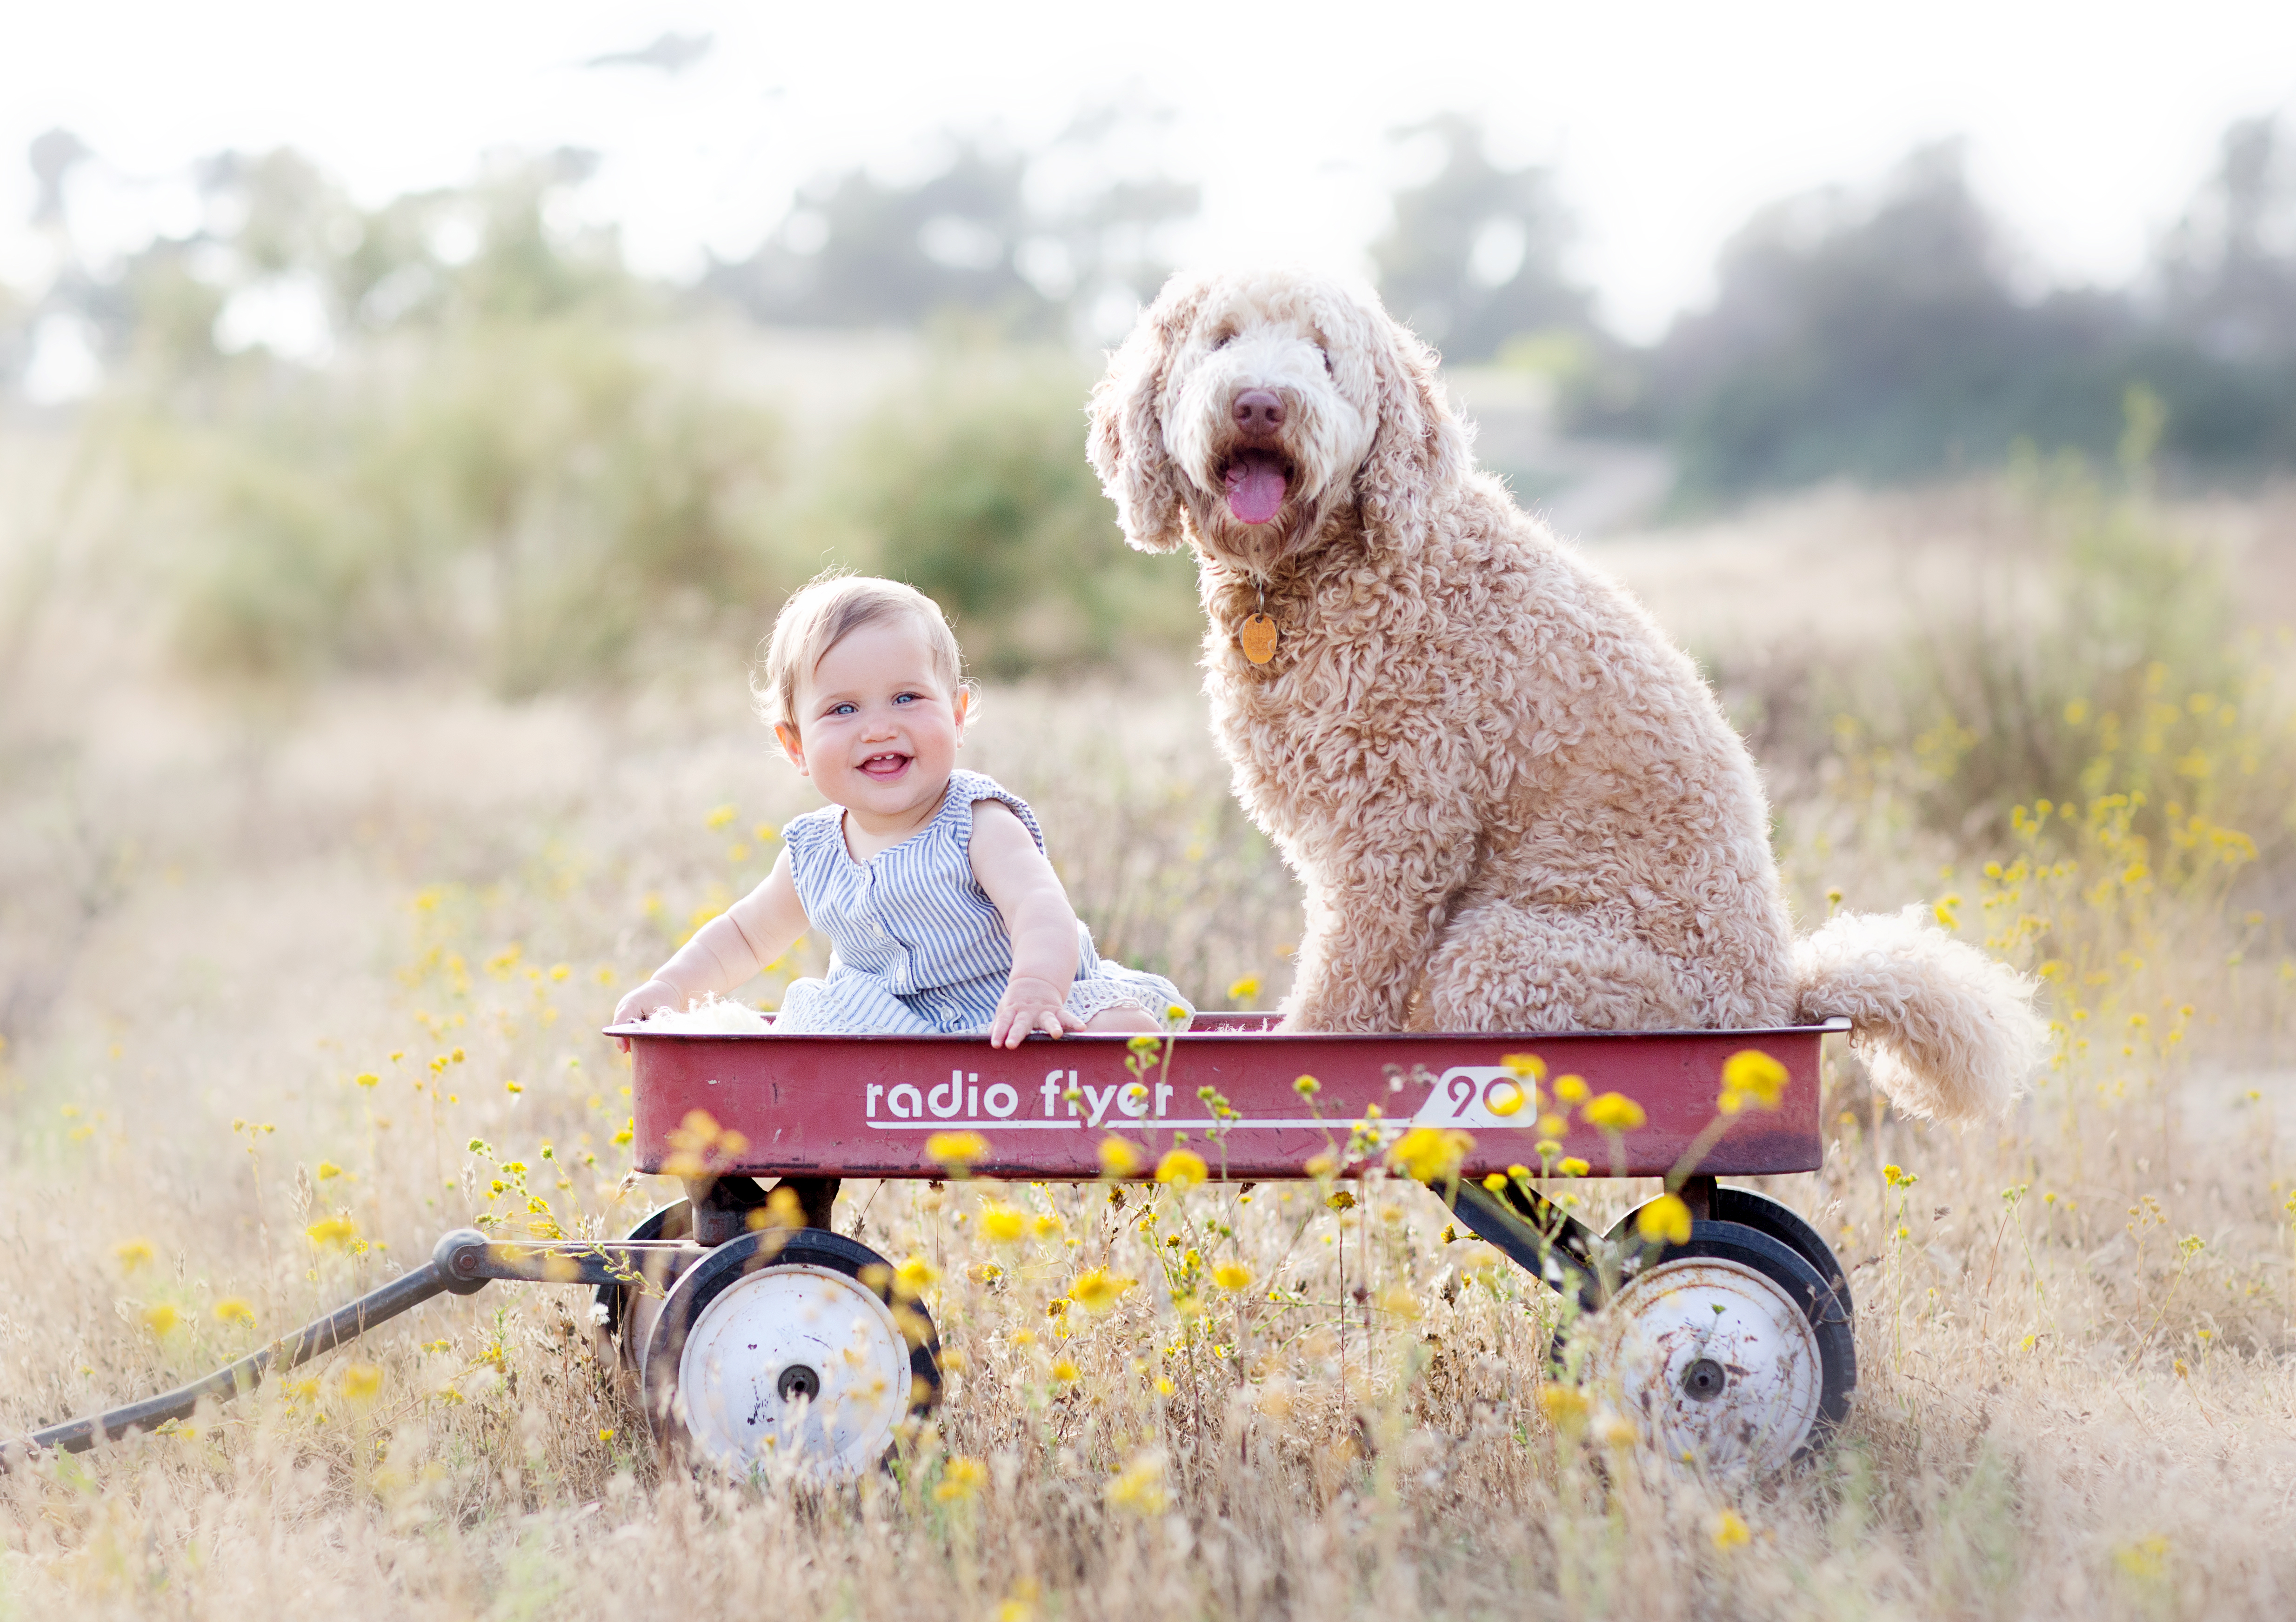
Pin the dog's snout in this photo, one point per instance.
(1259, 412)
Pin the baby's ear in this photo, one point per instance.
(1126, 445)
(793, 746)
(1418, 448)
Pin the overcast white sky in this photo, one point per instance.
(2087, 123)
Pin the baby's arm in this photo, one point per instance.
(1037, 913)
(725, 951)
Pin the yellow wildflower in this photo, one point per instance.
(1245, 990)
(361, 1382)
(1754, 1078)
(956, 1151)
(337, 1230)
(2147, 1562)
(1140, 1488)
(133, 1253)
(1004, 1225)
(961, 1480)
(1525, 1067)
(1566, 1408)
(1570, 1089)
(1182, 1168)
(1098, 1290)
(1614, 1112)
(1067, 1372)
(1232, 1276)
(1728, 1531)
(234, 1309)
(1665, 1220)
(1117, 1158)
(160, 1318)
(1430, 1154)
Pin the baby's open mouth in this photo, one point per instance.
(886, 765)
(1257, 482)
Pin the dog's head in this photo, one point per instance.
(1247, 411)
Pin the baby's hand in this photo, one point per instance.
(1030, 1004)
(635, 1006)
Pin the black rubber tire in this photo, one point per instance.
(1765, 1215)
(1784, 1266)
(719, 1268)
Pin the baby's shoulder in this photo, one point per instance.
(804, 835)
(969, 790)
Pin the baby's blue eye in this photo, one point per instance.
(904, 698)
(842, 710)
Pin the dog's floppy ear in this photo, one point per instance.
(1419, 449)
(1126, 446)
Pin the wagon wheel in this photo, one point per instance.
(791, 1349)
(1730, 1348)
(1750, 1210)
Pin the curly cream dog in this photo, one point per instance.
(1514, 805)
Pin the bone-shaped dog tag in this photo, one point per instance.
(1258, 639)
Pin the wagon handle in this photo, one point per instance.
(1532, 1232)
(436, 1276)
(461, 1263)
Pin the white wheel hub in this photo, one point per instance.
(1715, 1361)
(797, 1367)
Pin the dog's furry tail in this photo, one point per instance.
(1946, 1031)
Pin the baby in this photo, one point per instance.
(942, 913)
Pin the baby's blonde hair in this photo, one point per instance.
(823, 612)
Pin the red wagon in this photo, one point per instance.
(1730, 1340)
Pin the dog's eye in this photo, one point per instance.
(1326, 354)
(1223, 341)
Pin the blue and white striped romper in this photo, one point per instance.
(916, 946)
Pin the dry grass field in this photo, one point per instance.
(293, 986)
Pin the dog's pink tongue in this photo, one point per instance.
(1254, 487)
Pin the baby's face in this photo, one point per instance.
(877, 729)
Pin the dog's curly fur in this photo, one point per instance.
(1514, 805)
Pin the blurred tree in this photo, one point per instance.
(1888, 337)
(54, 154)
(994, 234)
(1474, 256)
(2227, 270)
(1881, 337)
(859, 252)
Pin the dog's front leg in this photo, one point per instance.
(1372, 924)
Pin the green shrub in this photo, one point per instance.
(2123, 670)
(974, 489)
(531, 500)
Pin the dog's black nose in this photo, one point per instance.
(1259, 411)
